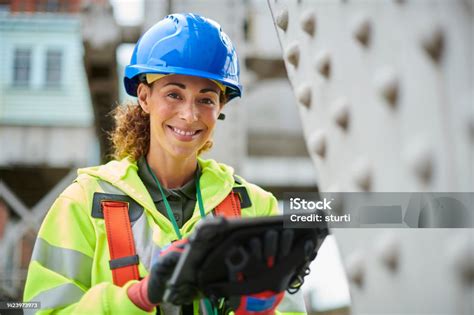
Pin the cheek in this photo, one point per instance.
(210, 119)
(161, 112)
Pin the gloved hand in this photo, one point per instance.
(148, 293)
(267, 250)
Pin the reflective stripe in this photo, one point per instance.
(109, 188)
(60, 296)
(144, 245)
(292, 303)
(68, 262)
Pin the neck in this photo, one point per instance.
(171, 172)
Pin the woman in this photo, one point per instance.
(183, 70)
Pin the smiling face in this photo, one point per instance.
(183, 113)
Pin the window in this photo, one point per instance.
(53, 67)
(5, 5)
(48, 6)
(22, 66)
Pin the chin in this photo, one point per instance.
(183, 153)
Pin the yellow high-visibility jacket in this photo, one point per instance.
(69, 271)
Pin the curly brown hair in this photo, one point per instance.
(131, 135)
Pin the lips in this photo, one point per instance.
(184, 134)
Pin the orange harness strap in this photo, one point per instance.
(123, 258)
(229, 207)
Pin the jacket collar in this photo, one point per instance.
(188, 189)
(216, 182)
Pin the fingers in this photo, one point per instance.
(160, 274)
(270, 247)
(256, 248)
(286, 242)
(166, 264)
(272, 244)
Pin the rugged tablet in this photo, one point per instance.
(218, 261)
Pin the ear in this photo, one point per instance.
(143, 91)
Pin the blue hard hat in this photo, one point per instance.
(186, 44)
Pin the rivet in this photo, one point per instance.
(362, 174)
(317, 143)
(303, 94)
(293, 54)
(388, 248)
(340, 112)
(323, 63)
(337, 200)
(420, 158)
(355, 268)
(462, 257)
(308, 22)
(470, 127)
(386, 81)
(362, 30)
(433, 43)
(282, 19)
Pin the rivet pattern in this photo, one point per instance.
(388, 248)
(462, 257)
(282, 20)
(387, 95)
(470, 127)
(340, 113)
(355, 268)
(419, 156)
(308, 22)
(387, 83)
(323, 63)
(293, 54)
(317, 143)
(362, 174)
(362, 30)
(303, 95)
(433, 43)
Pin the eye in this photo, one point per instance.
(174, 95)
(207, 101)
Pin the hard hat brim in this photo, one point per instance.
(133, 71)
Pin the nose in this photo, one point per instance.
(188, 112)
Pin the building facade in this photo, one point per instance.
(46, 121)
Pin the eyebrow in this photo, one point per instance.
(209, 90)
(180, 85)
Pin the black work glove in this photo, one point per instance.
(266, 250)
(148, 293)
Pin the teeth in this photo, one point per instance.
(184, 133)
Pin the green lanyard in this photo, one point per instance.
(210, 309)
(167, 205)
